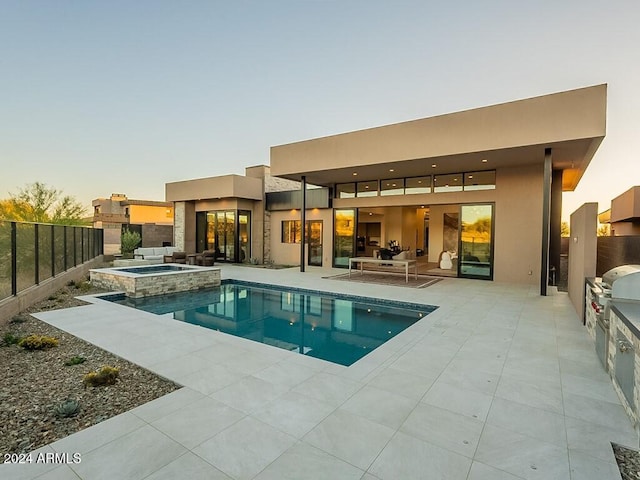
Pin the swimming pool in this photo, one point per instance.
(337, 328)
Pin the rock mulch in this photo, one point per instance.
(628, 462)
(35, 382)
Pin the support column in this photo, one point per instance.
(546, 222)
(303, 221)
(556, 225)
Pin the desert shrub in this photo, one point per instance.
(10, 339)
(129, 242)
(71, 283)
(105, 376)
(52, 297)
(38, 342)
(69, 408)
(83, 286)
(18, 319)
(74, 361)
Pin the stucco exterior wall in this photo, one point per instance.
(583, 246)
(518, 225)
(289, 253)
(150, 214)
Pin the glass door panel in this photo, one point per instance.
(344, 237)
(244, 234)
(230, 238)
(220, 242)
(314, 231)
(475, 253)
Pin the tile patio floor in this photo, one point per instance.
(499, 383)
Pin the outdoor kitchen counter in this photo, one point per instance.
(629, 314)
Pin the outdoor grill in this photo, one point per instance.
(619, 283)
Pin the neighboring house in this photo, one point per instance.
(622, 245)
(484, 185)
(153, 220)
(624, 214)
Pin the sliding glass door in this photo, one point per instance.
(344, 240)
(475, 252)
(228, 232)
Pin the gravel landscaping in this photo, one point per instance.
(35, 382)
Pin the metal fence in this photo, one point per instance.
(32, 252)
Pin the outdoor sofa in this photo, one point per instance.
(153, 254)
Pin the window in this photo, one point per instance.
(368, 189)
(346, 190)
(480, 180)
(393, 186)
(447, 183)
(291, 231)
(418, 185)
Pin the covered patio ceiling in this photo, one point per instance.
(572, 124)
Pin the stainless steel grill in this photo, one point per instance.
(620, 283)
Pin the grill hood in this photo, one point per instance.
(624, 282)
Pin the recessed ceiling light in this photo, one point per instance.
(391, 170)
(366, 186)
(433, 165)
(355, 173)
(370, 213)
(419, 181)
(393, 185)
(470, 176)
(421, 206)
(484, 160)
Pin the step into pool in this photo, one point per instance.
(337, 328)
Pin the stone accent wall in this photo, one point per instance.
(276, 184)
(179, 221)
(137, 286)
(266, 245)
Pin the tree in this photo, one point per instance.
(604, 230)
(37, 202)
(564, 229)
(129, 242)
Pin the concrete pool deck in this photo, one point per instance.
(498, 383)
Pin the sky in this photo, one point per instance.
(98, 97)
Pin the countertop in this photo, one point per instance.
(629, 312)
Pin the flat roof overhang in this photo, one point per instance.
(571, 123)
(224, 186)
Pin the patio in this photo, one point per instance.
(498, 383)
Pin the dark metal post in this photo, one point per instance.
(14, 260)
(82, 230)
(546, 222)
(36, 245)
(303, 221)
(75, 245)
(64, 245)
(53, 251)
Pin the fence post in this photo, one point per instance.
(53, 251)
(64, 244)
(36, 257)
(14, 260)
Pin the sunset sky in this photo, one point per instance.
(99, 97)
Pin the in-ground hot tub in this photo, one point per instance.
(149, 280)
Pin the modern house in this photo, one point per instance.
(624, 214)
(483, 185)
(153, 220)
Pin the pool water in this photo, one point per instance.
(337, 328)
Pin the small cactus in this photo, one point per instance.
(69, 408)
